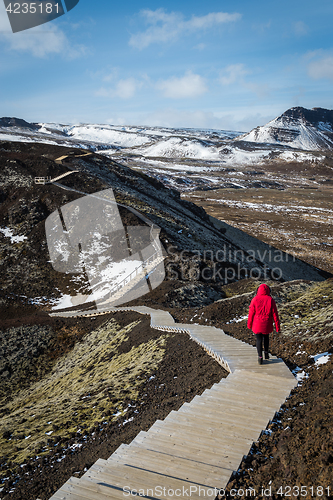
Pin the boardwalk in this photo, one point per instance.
(49, 180)
(193, 451)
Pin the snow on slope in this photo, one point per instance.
(132, 136)
(297, 128)
(107, 135)
(156, 132)
(176, 147)
(18, 137)
(297, 136)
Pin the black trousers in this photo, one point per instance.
(260, 337)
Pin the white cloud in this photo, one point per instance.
(187, 86)
(124, 89)
(262, 27)
(39, 44)
(200, 46)
(301, 29)
(210, 20)
(40, 41)
(111, 76)
(233, 74)
(262, 90)
(240, 120)
(170, 117)
(4, 27)
(165, 27)
(321, 65)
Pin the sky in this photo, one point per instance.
(229, 65)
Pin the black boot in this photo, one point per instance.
(266, 355)
(260, 360)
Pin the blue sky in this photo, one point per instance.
(218, 64)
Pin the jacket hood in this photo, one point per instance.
(263, 290)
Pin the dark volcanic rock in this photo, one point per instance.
(314, 116)
(17, 122)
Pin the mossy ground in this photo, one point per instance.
(309, 317)
(85, 386)
(104, 380)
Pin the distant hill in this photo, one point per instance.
(297, 129)
(310, 129)
(17, 122)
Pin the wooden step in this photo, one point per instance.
(141, 478)
(187, 469)
(83, 489)
(196, 446)
(218, 419)
(212, 454)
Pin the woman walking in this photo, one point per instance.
(262, 314)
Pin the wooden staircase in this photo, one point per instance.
(193, 451)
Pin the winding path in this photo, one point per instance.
(193, 451)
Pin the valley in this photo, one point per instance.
(298, 221)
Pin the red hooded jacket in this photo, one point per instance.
(263, 312)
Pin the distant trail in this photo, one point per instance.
(48, 180)
(196, 448)
(61, 158)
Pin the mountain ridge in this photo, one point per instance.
(309, 129)
(6, 121)
(297, 129)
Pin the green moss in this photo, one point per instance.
(310, 315)
(85, 387)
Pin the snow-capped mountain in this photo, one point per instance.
(296, 135)
(309, 129)
(142, 141)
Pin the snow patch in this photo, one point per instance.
(8, 233)
(106, 134)
(300, 375)
(321, 359)
(237, 320)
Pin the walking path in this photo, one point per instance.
(193, 451)
(49, 180)
(61, 158)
